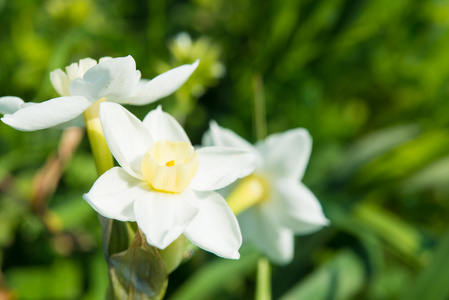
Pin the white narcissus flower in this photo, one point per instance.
(83, 83)
(165, 185)
(288, 207)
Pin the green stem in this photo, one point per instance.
(252, 191)
(103, 162)
(259, 113)
(263, 283)
(100, 150)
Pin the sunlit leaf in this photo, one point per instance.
(403, 237)
(436, 174)
(405, 159)
(375, 144)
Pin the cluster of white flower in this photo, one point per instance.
(164, 183)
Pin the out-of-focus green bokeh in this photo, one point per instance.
(369, 79)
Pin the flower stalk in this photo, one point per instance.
(259, 112)
(263, 283)
(100, 150)
(250, 192)
(103, 162)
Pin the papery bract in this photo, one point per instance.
(287, 206)
(167, 186)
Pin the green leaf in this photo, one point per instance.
(340, 278)
(405, 159)
(375, 144)
(436, 174)
(403, 237)
(432, 282)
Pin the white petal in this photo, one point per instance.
(163, 216)
(77, 122)
(259, 227)
(287, 153)
(163, 85)
(78, 69)
(220, 166)
(85, 65)
(215, 227)
(126, 136)
(163, 126)
(114, 193)
(73, 71)
(60, 82)
(297, 207)
(104, 58)
(114, 79)
(10, 104)
(47, 114)
(220, 136)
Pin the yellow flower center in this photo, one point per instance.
(251, 191)
(170, 166)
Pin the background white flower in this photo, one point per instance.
(83, 83)
(165, 185)
(288, 207)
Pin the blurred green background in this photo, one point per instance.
(368, 79)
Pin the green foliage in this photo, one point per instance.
(215, 277)
(340, 278)
(32, 283)
(368, 79)
(431, 282)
